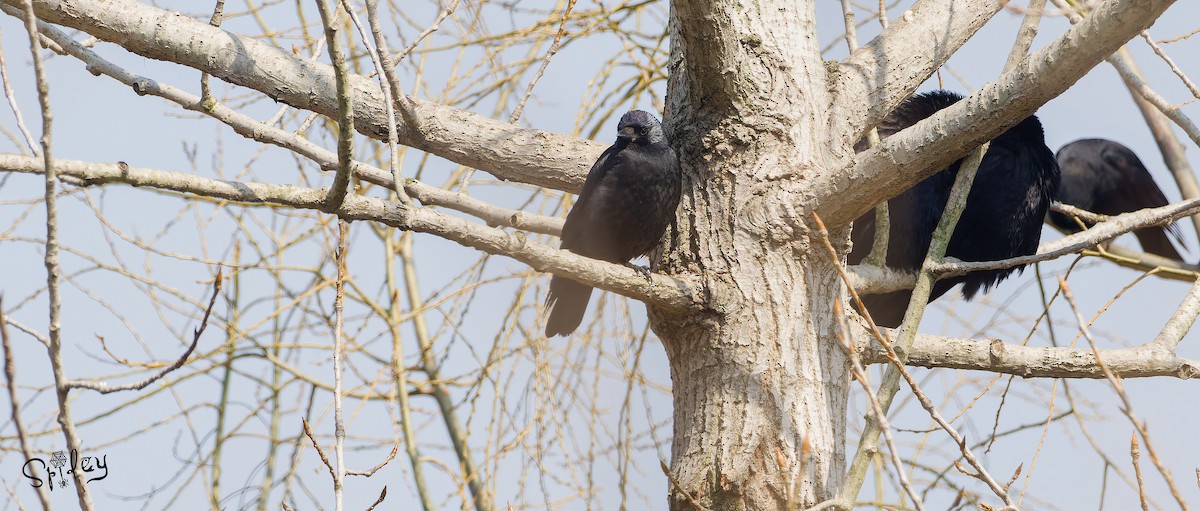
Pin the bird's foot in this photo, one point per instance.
(645, 271)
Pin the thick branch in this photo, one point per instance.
(878, 76)
(1035, 361)
(934, 143)
(505, 150)
(671, 293)
(262, 132)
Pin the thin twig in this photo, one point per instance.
(387, 86)
(679, 489)
(516, 114)
(1025, 35)
(369, 473)
(869, 441)
(851, 31)
(1127, 405)
(877, 256)
(378, 501)
(1134, 455)
(876, 422)
(206, 99)
(324, 459)
(104, 388)
(400, 372)
(12, 104)
(10, 378)
(1187, 82)
(339, 346)
(437, 23)
(430, 365)
(32, 333)
(1174, 153)
(562, 30)
(885, 427)
(53, 271)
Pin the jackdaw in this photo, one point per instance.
(627, 201)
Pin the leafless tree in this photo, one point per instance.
(332, 355)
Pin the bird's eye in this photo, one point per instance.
(643, 130)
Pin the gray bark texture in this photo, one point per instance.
(764, 129)
(759, 375)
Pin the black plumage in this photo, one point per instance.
(1002, 218)
(627, 201)
(1105, 177)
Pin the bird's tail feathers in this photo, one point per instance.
(567, 301)
(1155, 241)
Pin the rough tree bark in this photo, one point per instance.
(764, 130)
(759, 374)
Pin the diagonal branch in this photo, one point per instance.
(873, 280)
(104, 388)
(934, 143)
(875, 78)
(502, 149)
(263, 132)
(679, 294)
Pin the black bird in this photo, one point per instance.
(1003, 216)
(627, 202)
(1105, 177)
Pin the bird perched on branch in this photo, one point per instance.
(1105, 177)
(1002, 218)
(627, 202)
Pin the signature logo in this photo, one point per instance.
(94, 469)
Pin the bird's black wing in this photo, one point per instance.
(1135, 189)
(1005, 207)
(568, 299)
(573, 227)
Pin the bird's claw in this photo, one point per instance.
(645, 271)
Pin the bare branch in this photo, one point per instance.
(53, 269)
(345, 121)
(997, 356)
(678, 294)
(378, 501)
(369, 473)
(104, 388)
(32, 333)
(10, 380)
(890, 384)
(1127, 406)
(12, 105)
(929, 146)
(860, 374)
(1174, 153)
(321, 453)
(1137, 471)
(264, 132)
(875, 78)
(339, 346)
(502, 149)
(872, 280)
(1101, 232)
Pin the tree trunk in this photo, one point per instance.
(761, 373)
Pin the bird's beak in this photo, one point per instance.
(627, 132)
